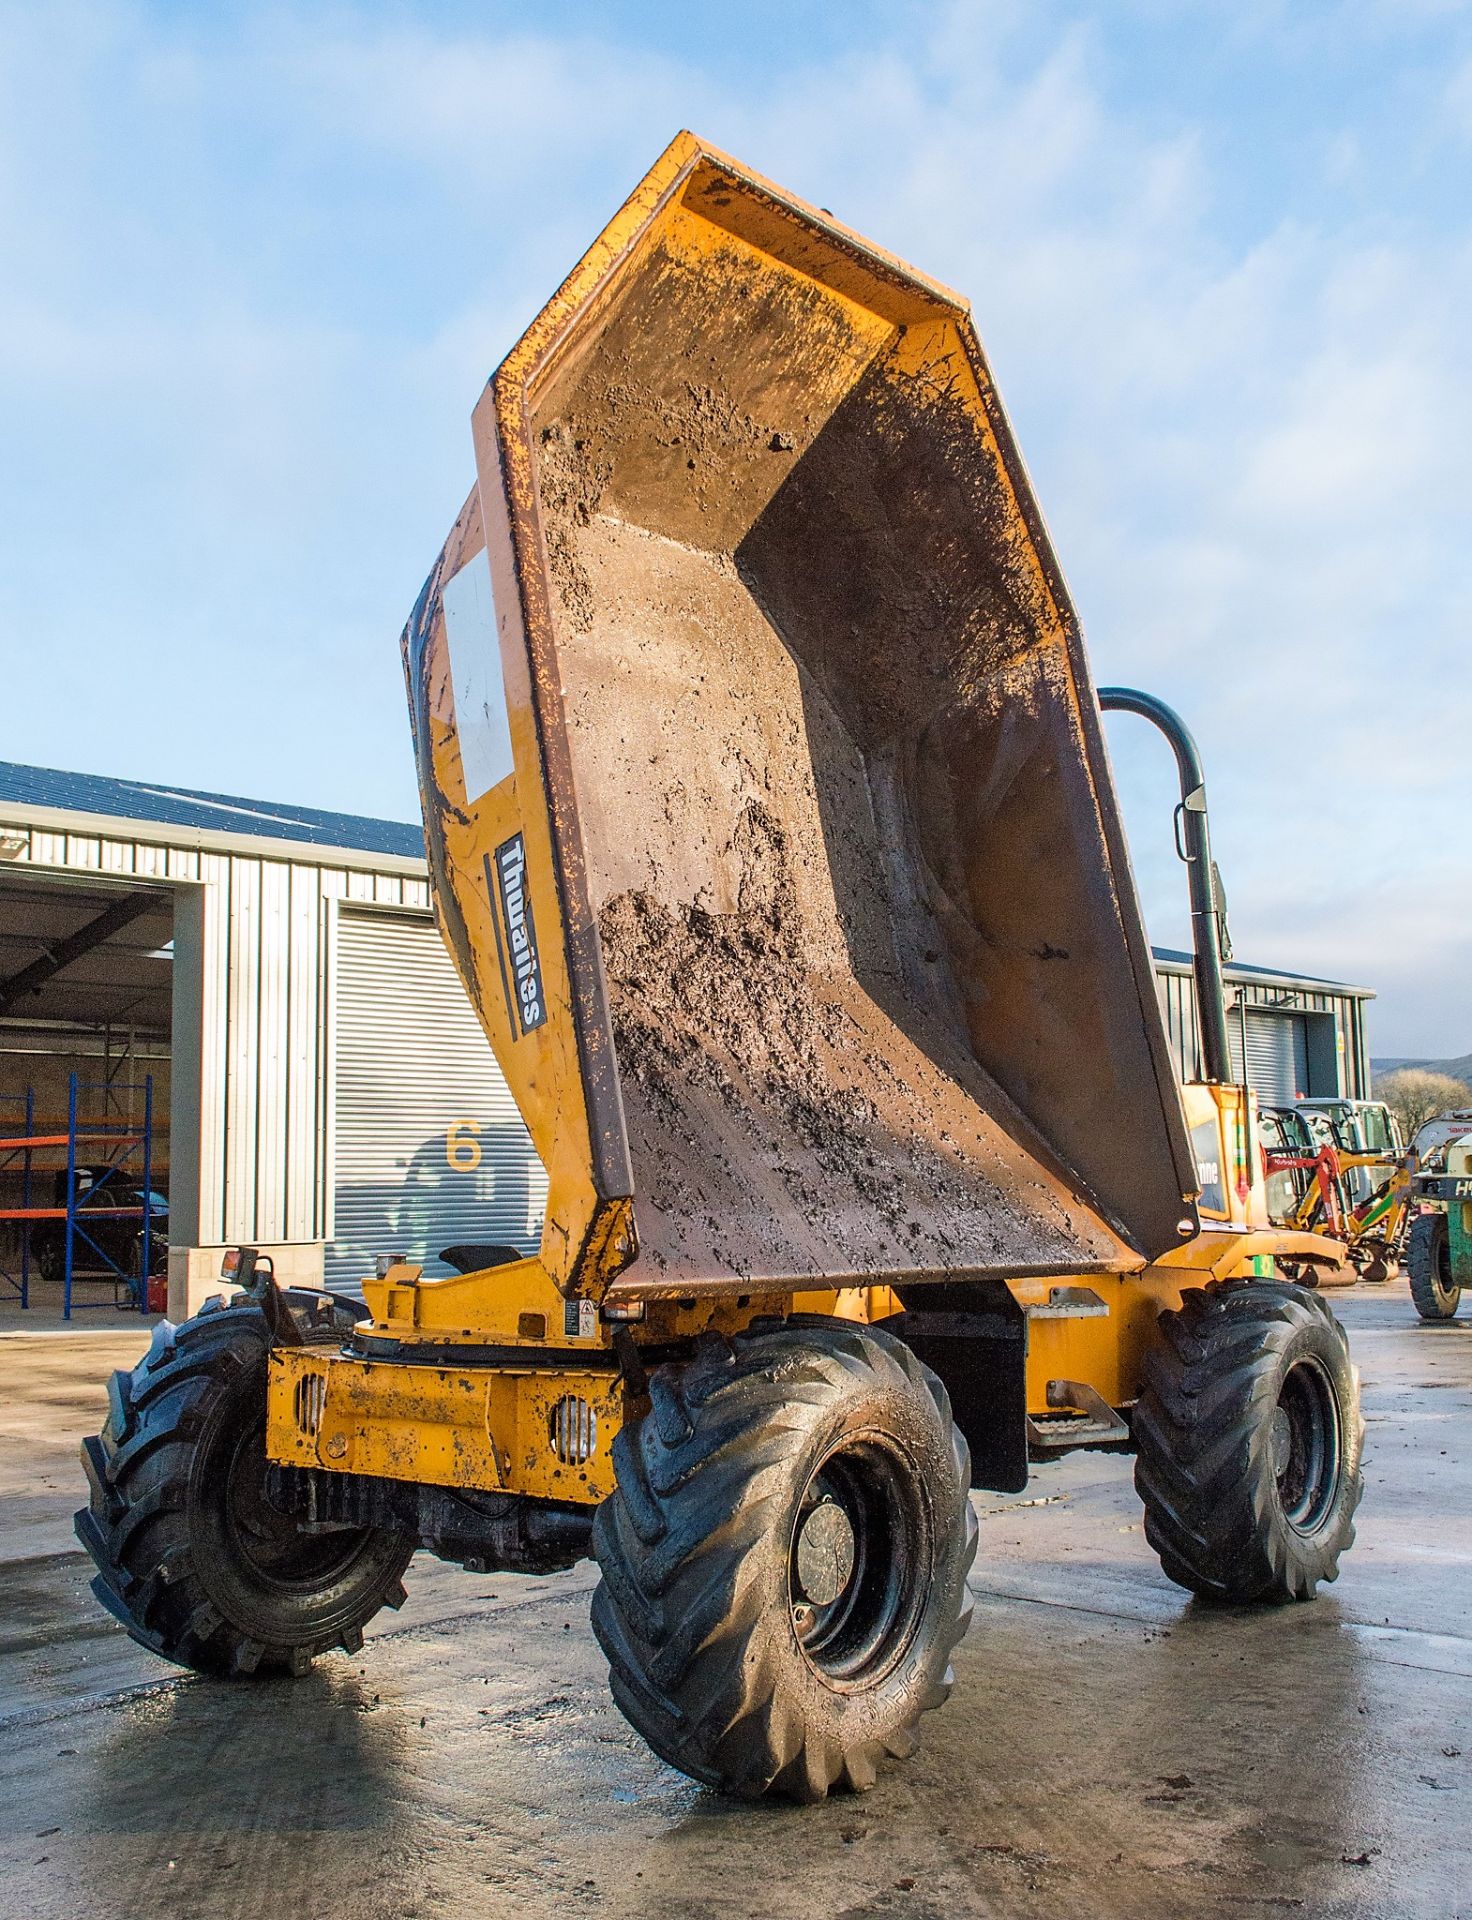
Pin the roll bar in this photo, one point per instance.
(1209, 943)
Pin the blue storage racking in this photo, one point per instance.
(125, 1156)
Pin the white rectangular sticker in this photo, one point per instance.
(476, 684)
(579, 1320)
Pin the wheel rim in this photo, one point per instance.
(278, 1554)
(860, 1549)
(1306, 1445)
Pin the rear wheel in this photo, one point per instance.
(1434, 1288)
(1248, 1436)
(784, 1559)
(192, 1558)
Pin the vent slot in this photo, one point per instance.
(310, 1403)
(572, 1429)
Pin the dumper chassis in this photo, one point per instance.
(774, 839)
(785, 1544)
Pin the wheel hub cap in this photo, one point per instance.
(1282, 1442)
(1306, 1445)
(860, 1561)
(825, 1553)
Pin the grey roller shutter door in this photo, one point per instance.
(1277, 1055)
(428, 1148)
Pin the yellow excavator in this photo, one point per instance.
(774, 838)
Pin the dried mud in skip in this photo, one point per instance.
(754, 1075)
(762, 1048)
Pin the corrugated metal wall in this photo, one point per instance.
(428, 1149)
(1277, 1055)
(260, 932)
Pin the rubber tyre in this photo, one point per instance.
(1436, 1294)
(698, 1548)
(190, 1558)
(1249, 1435)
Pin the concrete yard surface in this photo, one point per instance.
(1111, 1749)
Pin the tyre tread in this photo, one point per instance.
(1200, 1436)
(135, 1524)
(1433, 1299)
(676, 1613)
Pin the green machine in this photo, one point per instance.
(1439, 1252)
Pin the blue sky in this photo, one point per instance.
(255, 263)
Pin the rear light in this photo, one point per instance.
(241, 1264)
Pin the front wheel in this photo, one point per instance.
(192, 1558)
(1434, 1288)
(784, 1559)
(1248, 1436)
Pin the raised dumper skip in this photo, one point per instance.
(801, 923)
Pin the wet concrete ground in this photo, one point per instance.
(1111, 1749)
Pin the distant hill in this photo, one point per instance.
(1459, 1069)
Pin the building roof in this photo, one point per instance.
(1239, 970)
(94, 793)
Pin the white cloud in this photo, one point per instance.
(262, 274)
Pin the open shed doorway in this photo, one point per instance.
(86, 994)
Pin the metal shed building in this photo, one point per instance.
(329, 1093)
(1302, 1038)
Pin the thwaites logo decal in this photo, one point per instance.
(516, 935)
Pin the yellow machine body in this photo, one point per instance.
(774, 839)
(504, 1427)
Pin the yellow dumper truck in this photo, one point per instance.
(774, 839)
